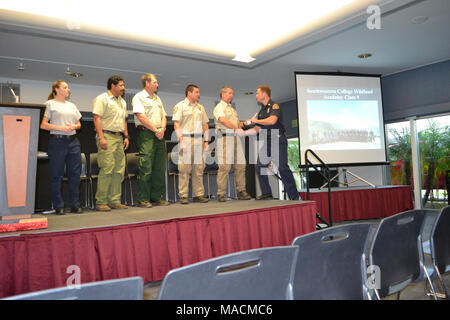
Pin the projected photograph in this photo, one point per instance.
(343, 125)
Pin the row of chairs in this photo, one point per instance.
(334, 263)
(90, 171)
(326, 264)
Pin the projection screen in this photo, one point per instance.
(340, 118)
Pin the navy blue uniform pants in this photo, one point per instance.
(280, 158)
(64, 154)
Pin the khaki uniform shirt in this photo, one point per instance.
(112, 110)
(227, 111)
(191, 117)
(152, 107)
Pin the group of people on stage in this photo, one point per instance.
(62, 119)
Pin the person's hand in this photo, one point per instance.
(67, 128)
(253, 119)
(126, 143)
(159, 134)
(103, 144)
(205, 145)
(240, 132)
(183, 146)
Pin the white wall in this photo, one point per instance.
(32, 91)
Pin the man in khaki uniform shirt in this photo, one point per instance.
(150, 120)
(110, 121)
(191, 126)
(229, 146)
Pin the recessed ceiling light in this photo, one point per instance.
(243, 57)
(364, 55)
(419, 19)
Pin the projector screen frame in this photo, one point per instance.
(338, 165)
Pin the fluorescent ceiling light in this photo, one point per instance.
(235, 28)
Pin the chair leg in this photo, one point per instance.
(209, 190)
(377, 294)
(131, 191)
(86, 201)
(431, 292)
(174, 189)
(92, 194)
(430, 282)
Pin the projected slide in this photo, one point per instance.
(340, 118)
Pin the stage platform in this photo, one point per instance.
(94, 219)
(144, 242)
(361, 203)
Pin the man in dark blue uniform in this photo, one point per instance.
(269, 118)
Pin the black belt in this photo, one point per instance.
(62, 136)
(114, 133)
(143, 128)
(193, 135)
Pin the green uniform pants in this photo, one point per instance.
(152, 167)
(112, 168)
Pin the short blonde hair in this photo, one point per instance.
(147, 77)
(224, 89)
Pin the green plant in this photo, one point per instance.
(435, 154)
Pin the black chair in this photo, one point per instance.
(172, 172)
(397, 251)
(131, 171)
(211, 169)
(440, 250)
(85, 179)
(93, 174)
(117, 289)
(331, 264)
(259, 274)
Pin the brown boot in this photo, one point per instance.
(145, 204)
(118, 205)
(160, 203)
(243, 195)
(184, 200)
(200, 199)
(221, 198)
(102, 207)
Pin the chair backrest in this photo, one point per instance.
(93, 165)
(440, 241)
(397, 251)
(83, 165)
(331, 263)
(172, 156)
(259, 274)
(117, 289)
(132, 163)
(211, 162)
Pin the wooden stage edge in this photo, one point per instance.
(132, 215)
